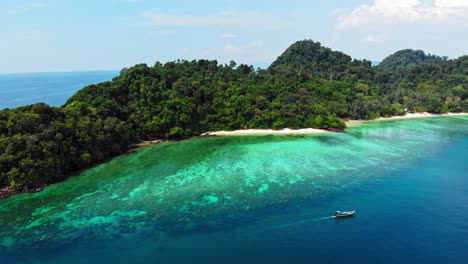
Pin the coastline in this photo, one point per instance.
(301, 131)
(304, 131)
(249, 132)
(6, 192)
(406, 116)
(148, 142)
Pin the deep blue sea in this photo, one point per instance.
(53, 88)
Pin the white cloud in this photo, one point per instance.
(24, 8)
(257, 44)
(227, 19)
(186, 50)
(160, 33)
(404, 12)
(337, 11)
(451, 3)
(374, 39)
(233, 50)
(228, 36)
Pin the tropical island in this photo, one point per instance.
(308, 86)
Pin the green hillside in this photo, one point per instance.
(408, 58)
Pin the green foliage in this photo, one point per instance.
(408, 58)
(308, 86)
(458, 66)
(308, 58)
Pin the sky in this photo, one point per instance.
(72, 35)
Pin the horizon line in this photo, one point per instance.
(58, 71)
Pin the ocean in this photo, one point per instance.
(52, 88)
(259, 199)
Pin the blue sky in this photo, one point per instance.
(65, 35)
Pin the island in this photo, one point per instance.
(308, 86)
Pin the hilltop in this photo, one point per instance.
(311, 58)
(408, 58)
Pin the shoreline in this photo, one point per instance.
(148, 142)
(6, 192)
(305, 131)
(406, 116)
(250, 132)
(301, 131)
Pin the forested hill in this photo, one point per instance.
(307, 86)
(312, 59)
(408, 57)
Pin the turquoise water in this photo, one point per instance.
(258, 198)
(53, 88)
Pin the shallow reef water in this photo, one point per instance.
(207, 185)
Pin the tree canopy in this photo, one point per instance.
(408, 57)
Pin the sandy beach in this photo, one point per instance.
(407, 116)
(304, 131)
(285, 131)
(149, 142)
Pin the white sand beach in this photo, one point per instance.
(304, 131)
(247, 132)
(407, 116)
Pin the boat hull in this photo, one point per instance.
(347, 214)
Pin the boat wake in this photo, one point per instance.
(305, 221)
